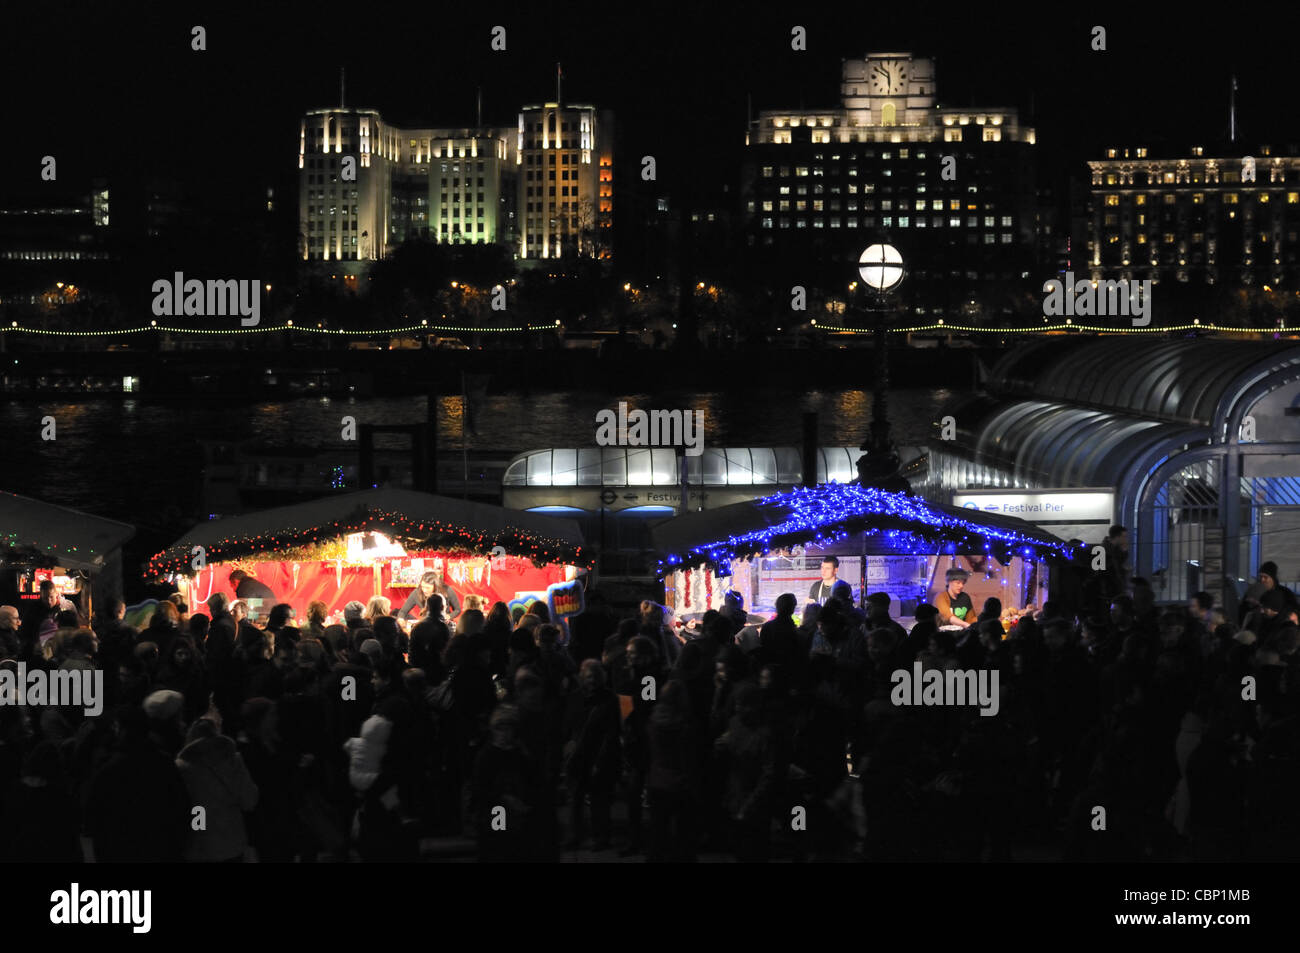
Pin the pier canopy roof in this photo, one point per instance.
(833, 511)
(1041, 443)
(417, 520)
(1195, 382)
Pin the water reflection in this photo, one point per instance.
(121, 457)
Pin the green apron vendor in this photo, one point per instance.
(954, 605)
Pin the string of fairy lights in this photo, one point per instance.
(16, 328)
(833, 511)
(15, 547)
(1069, 325)
(417, 532)
(939, 326)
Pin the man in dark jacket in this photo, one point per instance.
(779, 644)
(246, 587)
(918, 640)
(1115, 547)
(878, 616)
(47, 607)
(138, 810)
(219, 611)
(593, 754)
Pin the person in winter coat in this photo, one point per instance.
(138, 810)
(41, 791)
(674, 781)
(217, 781)
(748, 753)
(181, 670)
(505, 788)
(593, 754)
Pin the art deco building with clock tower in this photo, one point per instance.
(820, 184)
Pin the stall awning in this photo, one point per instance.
(418, 520)
(55, 535)
(834, 510)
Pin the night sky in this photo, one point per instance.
(100, 88)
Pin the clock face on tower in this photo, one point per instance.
(888, 77)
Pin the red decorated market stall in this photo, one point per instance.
(378, 542)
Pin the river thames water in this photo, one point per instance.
(140, 461)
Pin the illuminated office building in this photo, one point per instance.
(1195, 218)
(566, 181)
(953, 188)
(449, 185)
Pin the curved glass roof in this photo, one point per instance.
(1180, 381)
(1051, 444)
(657, 466)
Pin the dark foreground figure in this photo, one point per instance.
(1122, 734)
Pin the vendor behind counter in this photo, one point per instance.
(954, 605)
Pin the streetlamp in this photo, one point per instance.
(881, 268)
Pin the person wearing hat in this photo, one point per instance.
(1254, 598)
(163, 711)
(954, 605)
(1272, 614)
(216, 777)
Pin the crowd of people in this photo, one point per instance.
(1124, 732)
